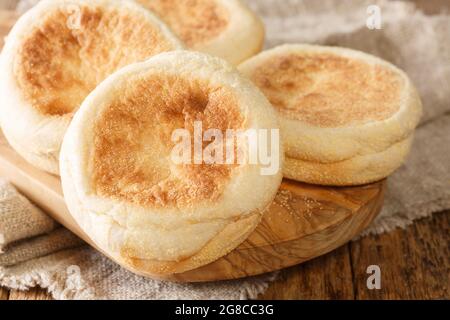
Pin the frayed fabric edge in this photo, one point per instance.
(70, 286)
(251, 292)
(60, 287)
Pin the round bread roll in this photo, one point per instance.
(150, 213)
(224, 28)
(347, 118)
(56, 54)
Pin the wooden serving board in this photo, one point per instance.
(304, 221)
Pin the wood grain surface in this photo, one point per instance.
(4, 294)
(414, 264)
(32, 294)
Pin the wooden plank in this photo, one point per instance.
(4, 294)
(326, 277)
(415, 263)
(32, 294)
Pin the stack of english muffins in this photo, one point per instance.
(94, 90)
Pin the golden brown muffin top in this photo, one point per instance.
(68, 53)
(193, 21)
(133, 142)
(327, 90)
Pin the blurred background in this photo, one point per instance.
(428, 6)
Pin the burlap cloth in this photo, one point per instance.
(37, 252)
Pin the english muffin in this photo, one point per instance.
(347, 118)
(56, 54)
(122, 185)
(224, 28)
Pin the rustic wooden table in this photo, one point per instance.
(415, 263)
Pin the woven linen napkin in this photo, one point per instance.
(412, 40)
(18, 218)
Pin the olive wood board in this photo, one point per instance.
(304, 221)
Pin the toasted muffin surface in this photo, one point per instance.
(56, 54)
(347, 117)
(135, 130)
(223, 28)
(68, 52)
(193, 21)
(125, 189)
(328, 90)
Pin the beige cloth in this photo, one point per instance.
(415, 42)
(18, 218)
(43, 245)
